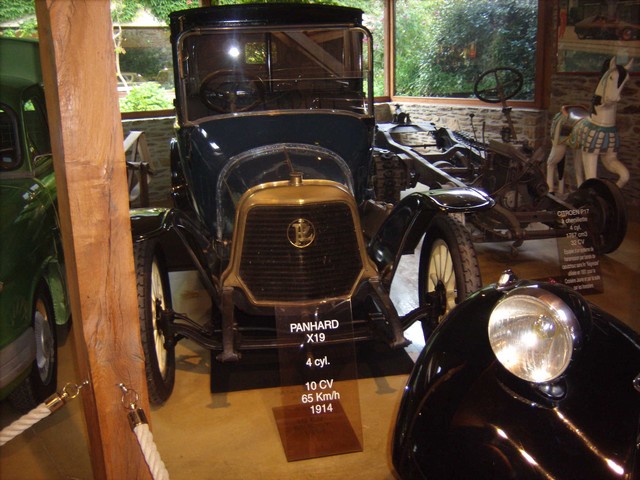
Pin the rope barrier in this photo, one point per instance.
(50, 405)
(23, 423)
(136, 416)
(140, 427)
(150, 452)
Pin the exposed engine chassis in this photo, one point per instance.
(514, 177)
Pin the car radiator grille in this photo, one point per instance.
(275, 270)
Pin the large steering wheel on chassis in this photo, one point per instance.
(498, 84)
(229, 91)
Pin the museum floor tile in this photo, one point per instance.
(233, 435)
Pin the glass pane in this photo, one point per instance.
(35, 124)
(443, 46)
(144, 53)
(373, 19)
(9, 151)
(244, 70)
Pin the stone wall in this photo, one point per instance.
(158, 133)
(534, 125)
(530, 124)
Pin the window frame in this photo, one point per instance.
(545, 41)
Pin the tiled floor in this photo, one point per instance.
(201, 435)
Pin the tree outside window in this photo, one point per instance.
(442, 46)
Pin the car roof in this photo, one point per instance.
(20, 57)
(264, 14)
(20, 67)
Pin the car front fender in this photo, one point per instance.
(463, 415)
(402, 230)
(186, 244)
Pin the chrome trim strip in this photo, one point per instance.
(16, 357)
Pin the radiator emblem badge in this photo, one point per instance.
(301, 233)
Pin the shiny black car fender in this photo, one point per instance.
(463, 415)
(183, 243)
(405, 226)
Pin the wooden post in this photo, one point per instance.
(78, 64)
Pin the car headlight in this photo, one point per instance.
(533, 333)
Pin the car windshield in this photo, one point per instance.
(254, 69)
(273, 163)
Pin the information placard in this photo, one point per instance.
(578, 259)
(320, 412)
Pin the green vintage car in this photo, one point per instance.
(32, 282)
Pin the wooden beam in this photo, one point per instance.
(78, 64)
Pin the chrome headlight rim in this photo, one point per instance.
(558, 315)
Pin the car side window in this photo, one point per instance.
(9, 151)
(35, 125)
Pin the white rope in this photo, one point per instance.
(20, 425)
(150, 452)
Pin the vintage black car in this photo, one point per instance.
(276, 189)
(523, 380)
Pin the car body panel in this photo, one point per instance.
(464, 414)
(30, 247)
(220, 139)
(411, 217)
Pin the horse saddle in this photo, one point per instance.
(572, 114)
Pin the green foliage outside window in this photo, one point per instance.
(442, 46)
(21, 12)
(146, 96)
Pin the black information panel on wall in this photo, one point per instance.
(320, 412)
(578, 259)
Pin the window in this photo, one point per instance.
(443, 46)
(35, 126)
(248, 69)
(440, 46)
(373, 19)
(9, 151)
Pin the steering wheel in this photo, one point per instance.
(498, 84)
(228, 91)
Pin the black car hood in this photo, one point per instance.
(464, 414)
(208, 145)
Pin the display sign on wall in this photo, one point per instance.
(578, 259)
(320, 412)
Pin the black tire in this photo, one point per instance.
(449, 270)
(608, 219)
(153, 287)
(42, 381)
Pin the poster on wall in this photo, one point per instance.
(592, 31)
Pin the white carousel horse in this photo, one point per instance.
(590, 134)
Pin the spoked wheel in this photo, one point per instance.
(449, 269)
(41, 382)
(607, 220)
(154, 296)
